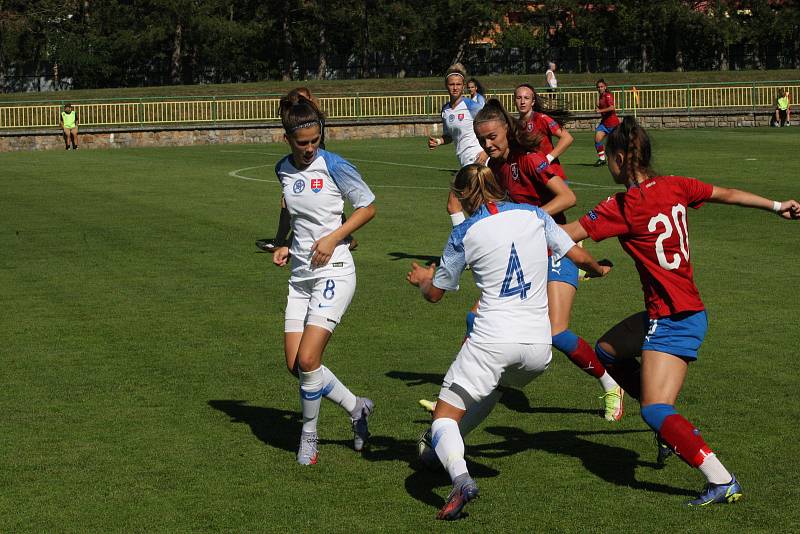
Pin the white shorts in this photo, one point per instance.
(318, 301)
(480, 367)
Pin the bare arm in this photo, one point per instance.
(434, 142)
(575, 231)
(564, 141)
(324, 247)
(422, 277)
(586, 261)
(605, 110)
(788, 209)
(564, 197)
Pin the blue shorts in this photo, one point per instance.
(605, 129)
(680, 334)
(562, 270)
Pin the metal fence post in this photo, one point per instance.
(214, 110)
(688, 98)
(141, 112)
(358, 105)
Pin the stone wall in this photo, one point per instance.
(91, 138)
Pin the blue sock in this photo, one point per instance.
(654, 414)
(470, 322)
(566, 341)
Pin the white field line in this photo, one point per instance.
(236, 173)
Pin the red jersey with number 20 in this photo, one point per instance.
(609, 118)
(525, 177)
(651, 224)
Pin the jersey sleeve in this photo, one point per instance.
(550, 123)
(606, 219)
(558, 241)
(697, 192)
(535, 167)
(349, 181)
(472, 106)
(452, 264)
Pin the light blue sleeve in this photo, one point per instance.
(452, 264)
(558, 241)
(473, 106)
(348, 180)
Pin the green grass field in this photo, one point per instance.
(346, 87)
(143, 383)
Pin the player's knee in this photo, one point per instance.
(655, 414)
(566, 341)
(603, 355)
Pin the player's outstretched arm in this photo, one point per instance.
(575, 231)
(434, 142)
(586, 261)
(788, 209)
(422, 277)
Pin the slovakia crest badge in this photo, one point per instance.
(316, 185)
(461, 116)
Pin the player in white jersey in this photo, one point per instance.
(457, 118)
(315, 183)
(506, 245)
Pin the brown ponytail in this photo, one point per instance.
(634, 143)
(298, 112)
(475, 185)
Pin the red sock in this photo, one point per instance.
(684, 439)
(584, 357)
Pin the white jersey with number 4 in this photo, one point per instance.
(315, 200)
(506, 246)
(457, 124)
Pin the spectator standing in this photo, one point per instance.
(550, 77)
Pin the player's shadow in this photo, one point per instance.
(276, 428)
(513, 399)
(420, 257)
(616, 465)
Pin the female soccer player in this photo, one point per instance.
(528, 178)
(608, 120)
(457, 118)
(507, 245)
(476, 91)
(315, 183)
(546, 120)
(282, 234)
(650, 221)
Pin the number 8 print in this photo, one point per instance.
(330, 285)
(679, 217)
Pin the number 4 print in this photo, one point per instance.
(514, 270)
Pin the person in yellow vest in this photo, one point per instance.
(782, 110)
(69, 122)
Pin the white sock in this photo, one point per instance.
(457, 218)
(449, 446)
(607, 382)
(335, 391)
(478, 412)
(310, 398)
(714, 471)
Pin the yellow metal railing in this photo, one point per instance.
(752, 96)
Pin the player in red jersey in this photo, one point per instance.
(528, 178)
(546, 119)
(608, 120)
(650, 221)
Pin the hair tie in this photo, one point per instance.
(453, 74)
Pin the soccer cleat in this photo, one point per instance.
(664, 452)
(613, 401)
(719, 494)
(267, 245)
(364, 408)
(464, 491)
(600, 162)
(307, 453)
(429, 406)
